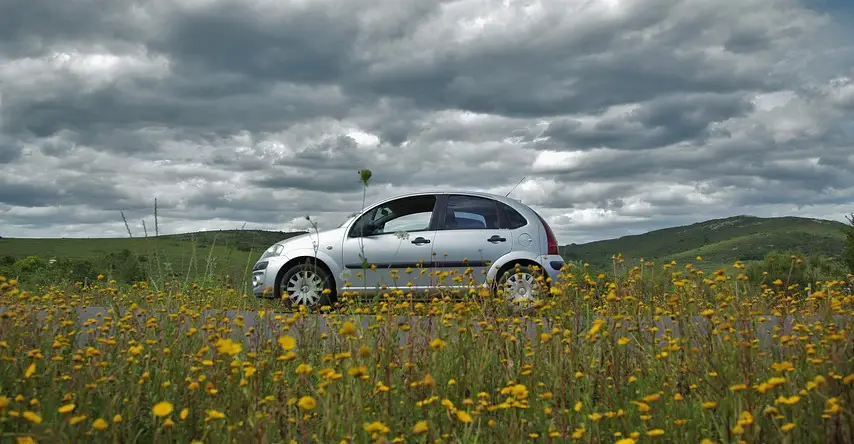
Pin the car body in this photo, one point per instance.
(417, 234)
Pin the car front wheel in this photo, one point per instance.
(304, 284)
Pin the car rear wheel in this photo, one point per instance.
(304, 284)
(520, 288)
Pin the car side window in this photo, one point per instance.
(408, 222)
(514, 219)
(405, 214)
(470, 213)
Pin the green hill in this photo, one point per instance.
(224, 255)
(719, 241)
(241, 240)
(216, 255)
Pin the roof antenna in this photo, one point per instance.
(514, 187)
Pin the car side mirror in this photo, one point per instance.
(371, 228)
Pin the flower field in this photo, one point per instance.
(658, 353)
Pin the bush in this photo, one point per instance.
(848, 252)
(793, 267)
(125, 267)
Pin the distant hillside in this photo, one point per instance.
(240, 240)
(222, 254)
(720, 241)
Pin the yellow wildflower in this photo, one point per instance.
(30, 370)
(348, 329)
(464, 416)
(228, 347)
(99, 424)
(419, 428)
(32, 417)
(287, 342)
(214, 414)
(162, 409)
(376, 427)
(307, 403)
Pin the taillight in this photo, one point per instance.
(550, 237)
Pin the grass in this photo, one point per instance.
(229, 246)
(652, 353)
(223, 257)
(719, 241)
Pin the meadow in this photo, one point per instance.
(648, 353)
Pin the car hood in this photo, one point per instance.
(328, 237)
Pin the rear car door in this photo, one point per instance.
(469, 234)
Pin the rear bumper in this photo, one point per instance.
(552, 265)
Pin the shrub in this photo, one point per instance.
(794, 268)
(848, 252)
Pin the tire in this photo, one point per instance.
(303, 284)
(520, 290)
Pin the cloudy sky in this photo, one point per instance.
(624, 115)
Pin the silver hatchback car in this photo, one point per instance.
(421, 236)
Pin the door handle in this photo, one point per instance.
(420, 240)
(496, 238)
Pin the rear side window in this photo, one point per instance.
(470, 212)
(514, 219)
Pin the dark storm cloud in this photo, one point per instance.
(70, 216)
(307, 46)
(578, 68)
(68, 191)
(31, 26)
(746, 42)
(94, 114)
(330, 184)
(27, 195)
(335, 152)
(661, 122)
(10, 150)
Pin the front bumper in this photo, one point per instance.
(263, 278)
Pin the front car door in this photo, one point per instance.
(471, 234)
(394, 235)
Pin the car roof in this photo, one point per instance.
(504, 199)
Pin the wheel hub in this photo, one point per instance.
(304, 287)
(521, 287)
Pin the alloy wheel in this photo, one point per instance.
(304, 287)
(521, 289)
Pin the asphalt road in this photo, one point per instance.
(425, 328)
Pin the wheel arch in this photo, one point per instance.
(510, 266)
(508, 261)
(499, 269)
(303, 259)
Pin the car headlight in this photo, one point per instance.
(274, 250)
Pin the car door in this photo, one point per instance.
(469, 235)
(394, 235)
